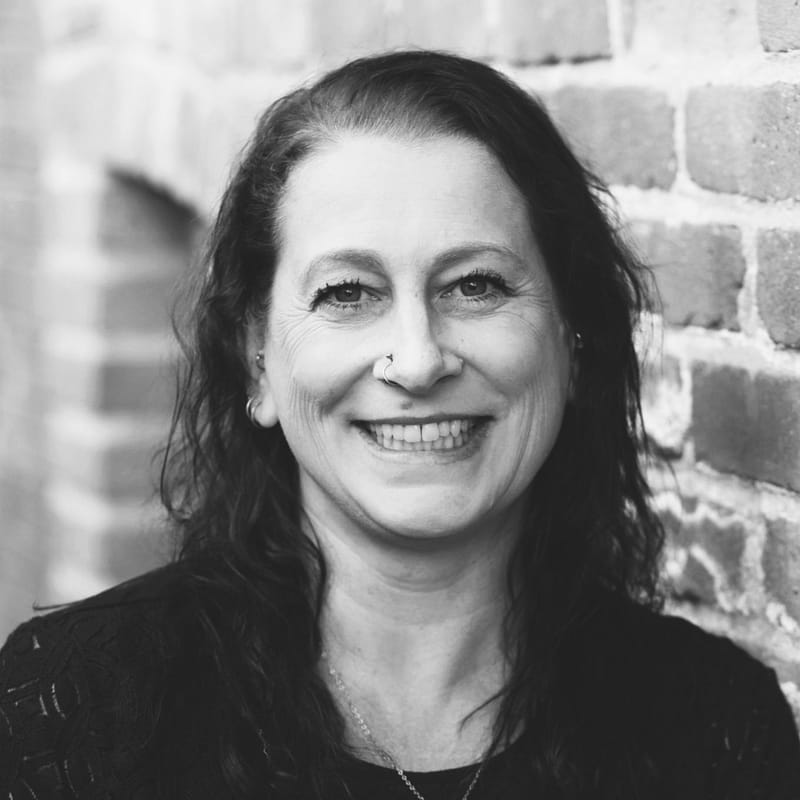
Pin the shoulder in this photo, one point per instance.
(713, 704)
(133, 610)
(76, 684)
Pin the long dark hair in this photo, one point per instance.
(231, 489)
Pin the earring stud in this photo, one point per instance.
(260, 360)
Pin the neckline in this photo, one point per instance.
(368, 767)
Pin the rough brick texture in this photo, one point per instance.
(709, 541)
(779, 284)
(551, 30)
(745, 139)
(666, 406)
(747, 423)
(781, 563)
(699, 271)
(676, 103)
(779, 23)
(624, 133)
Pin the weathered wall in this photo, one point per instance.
(21, 457)
(690, 110)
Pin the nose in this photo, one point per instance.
(419, 359)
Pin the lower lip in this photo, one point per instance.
(477, 433)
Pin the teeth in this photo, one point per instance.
(443, 435)
(430, 432)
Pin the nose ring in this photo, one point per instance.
(389, 359)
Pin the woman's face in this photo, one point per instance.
(422, 250)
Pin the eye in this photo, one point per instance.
(345, 296)
(480, 286)
(346, 293)
(474, 285)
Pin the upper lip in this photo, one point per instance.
(420, 420)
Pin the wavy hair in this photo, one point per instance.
(232, 491)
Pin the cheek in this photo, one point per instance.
(528, 359)
(311, 368)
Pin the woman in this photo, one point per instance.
(417, 556)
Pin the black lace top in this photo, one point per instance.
(77, 709)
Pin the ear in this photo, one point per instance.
(266, 413)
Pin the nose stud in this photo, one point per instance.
(389, 359)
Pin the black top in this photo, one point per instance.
(77, 710)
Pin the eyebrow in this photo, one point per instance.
(370, 260)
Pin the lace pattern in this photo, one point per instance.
(78, 689)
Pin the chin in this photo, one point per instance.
(433, 527)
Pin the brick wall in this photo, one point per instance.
(690, 110)
(21, 523)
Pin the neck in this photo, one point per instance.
(436, 610)
(422, 622)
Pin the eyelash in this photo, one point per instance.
(324, 294)
(488, 275)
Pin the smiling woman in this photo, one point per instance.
(417, 552)
(443, 272)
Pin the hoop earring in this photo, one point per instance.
(389, 361)
(251, 408)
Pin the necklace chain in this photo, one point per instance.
(381, 751)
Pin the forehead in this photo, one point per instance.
(400, 194)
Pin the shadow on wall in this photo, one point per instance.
(114, 250)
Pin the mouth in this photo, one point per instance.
(444, 434)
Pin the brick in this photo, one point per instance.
(109, 303)
(747, 424)
(274, 33)
(779, 24)
(628, 21)
(551, 30)
(19, 147)
(744, 139)
(78, 106)
(625, 133)
(669, 26)
(445, 25)
(779, 284)
(126, 214)
(699, 271)
(18, 75)
(211, 33)
(118, 465)
(209, 132)
(695, 584)
(17, 267)
(112, 385)
(665, 406)
(781, 563)
(348, 28)
(720, 534)
(19, 211)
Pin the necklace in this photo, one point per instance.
(382, 752)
